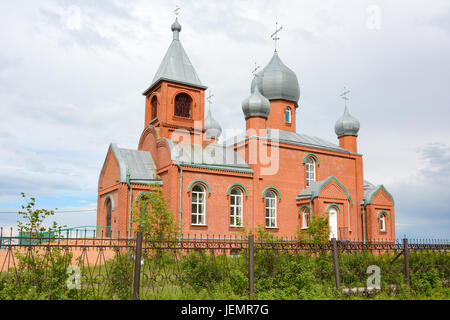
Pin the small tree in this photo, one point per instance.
(33, 218)
(318, 231)
(152, 216)
(39, 274)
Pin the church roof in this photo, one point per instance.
(294, 138)
(213, 156)
(256, 105)
(313, 190)
(176, 66)
(370, 190)
(139, 164)
(347, 125)
(212, 127)
(277, 81)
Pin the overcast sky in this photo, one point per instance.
(72, 75)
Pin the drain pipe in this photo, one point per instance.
(364, 225)
(180, 197)
(129, 207)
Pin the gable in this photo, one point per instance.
(330, 187)
(372, 194)
(110, 173)
(333, 190)
(382, 197)
(148, 141)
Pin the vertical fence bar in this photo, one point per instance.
(137, 266)
(251, 251)
(337, 274)
(406, 259)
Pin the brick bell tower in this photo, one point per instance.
(176, 97)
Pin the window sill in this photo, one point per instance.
(183, 118)
(384, 231)
(236, 226)
(271, 227)
(198, 225)
(304, 228)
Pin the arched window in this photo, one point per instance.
(198, 205)
(383, 222)
(154, 107)
(236, 199)
(271, 209)
(305, 218)
(183, 104)
(310, 171)
(108, 217)
(287, 115)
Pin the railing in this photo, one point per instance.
(209, 267)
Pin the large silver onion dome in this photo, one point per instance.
(212, 127)
(277, 81)
(347, 125)
(256, 105)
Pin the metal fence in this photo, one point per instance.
(57, 267)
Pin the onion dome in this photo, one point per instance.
(176, 26)
(256, 105)
(277, 81)
(213, 130)
(347, 125)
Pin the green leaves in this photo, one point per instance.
(33, 218)
(152, 216)
(318, 231)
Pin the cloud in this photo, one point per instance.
(419, 206)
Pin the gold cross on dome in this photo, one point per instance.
(344, 95)
(275, 36)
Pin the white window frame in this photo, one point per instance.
(305, 218)
(271, 209)
(310, 171)
(383, 222)
(199, 204)
(236, 210)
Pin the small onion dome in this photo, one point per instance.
(256, 105)
(277, 81)
(176, 26)
(213, 130)
(347, 125)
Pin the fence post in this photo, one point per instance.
(137, 266)
(251, 252)
(337, 274)
(406, 259)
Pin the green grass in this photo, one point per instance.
(278, 276)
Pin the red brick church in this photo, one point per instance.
(270, 176)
